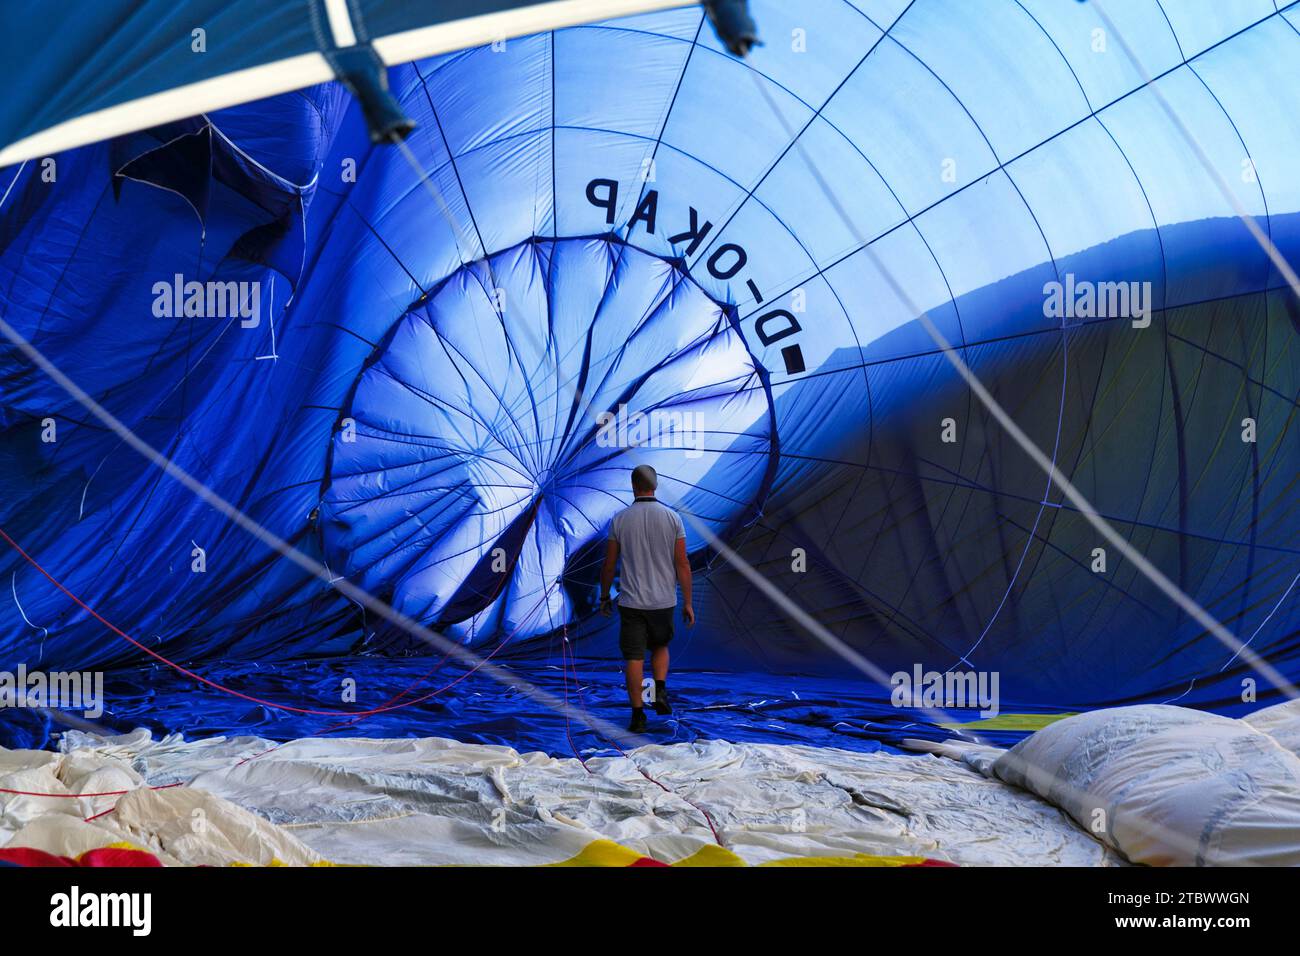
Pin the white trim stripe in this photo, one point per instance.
(308, 69)
(340, 22)
(508, 24)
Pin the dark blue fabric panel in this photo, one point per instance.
(64, 60)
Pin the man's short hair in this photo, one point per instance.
(644, 478)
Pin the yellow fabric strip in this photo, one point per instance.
(711, 855)
(1010, 722)
(601, 853)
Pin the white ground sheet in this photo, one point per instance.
(1167, 784)
(436, 801)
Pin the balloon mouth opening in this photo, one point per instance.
(491, 436)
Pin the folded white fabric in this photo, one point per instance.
(1281, 722)
(1171, 786)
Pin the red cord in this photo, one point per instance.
(74, 796)
(564, 672)
(356, 716)
(213, 684)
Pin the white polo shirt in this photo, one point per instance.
(647, 532)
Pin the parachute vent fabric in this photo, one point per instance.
(631, 260)
(457, 435)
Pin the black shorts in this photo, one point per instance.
(640, 629)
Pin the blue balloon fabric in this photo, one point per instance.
(624, 244)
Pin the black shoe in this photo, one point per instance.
(661, 704)
(638, 725)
